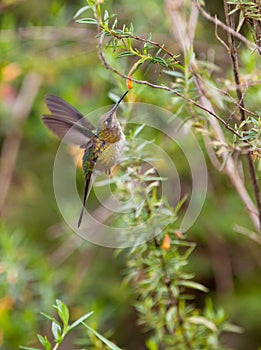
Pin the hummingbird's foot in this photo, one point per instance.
(108, 172)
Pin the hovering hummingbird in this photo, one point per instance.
(102, 147)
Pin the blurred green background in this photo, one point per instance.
(44, 51)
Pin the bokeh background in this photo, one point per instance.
(43, 50)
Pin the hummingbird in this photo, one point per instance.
(102, 146)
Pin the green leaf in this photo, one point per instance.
(44, 341)
(80, 320)
(138, 130)
(106, 16)
(56, 331)
(174, 74)
(102, 338)
(87, 21)
(180, 203)
(63, 312)
(193, 285)
(170, 318)
(114, 24)
(158, 52)
(125, 53)
(202, 321)
(28, 348)
(131, 30)
(83, 9)
(161, 61)
(228, 327)
(151, 344)
(50, 318)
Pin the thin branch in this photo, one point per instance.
(240, 105)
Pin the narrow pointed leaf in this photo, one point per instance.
(80, 320)
(203, 321)
(102, 338)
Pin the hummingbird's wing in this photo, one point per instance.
(66, 122)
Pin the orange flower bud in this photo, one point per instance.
(130, 83)
(166, 243)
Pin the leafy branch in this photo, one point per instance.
(61, 328)
(157, 269)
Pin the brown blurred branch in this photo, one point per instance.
(184, 30)
(11, 145)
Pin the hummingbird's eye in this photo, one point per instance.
(107, 121)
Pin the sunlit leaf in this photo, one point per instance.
(202, 321)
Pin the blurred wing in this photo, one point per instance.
(66, 122)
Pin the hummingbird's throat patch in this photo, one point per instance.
(111, 135)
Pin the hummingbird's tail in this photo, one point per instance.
(86, 191)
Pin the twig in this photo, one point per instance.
(11, 144)
(240, 105)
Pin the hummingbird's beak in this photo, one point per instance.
(117, 104)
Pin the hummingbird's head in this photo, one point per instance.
(109, 119)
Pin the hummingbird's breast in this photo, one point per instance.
(102, 154)
(109, 155)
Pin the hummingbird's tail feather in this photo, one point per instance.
(86, 193)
